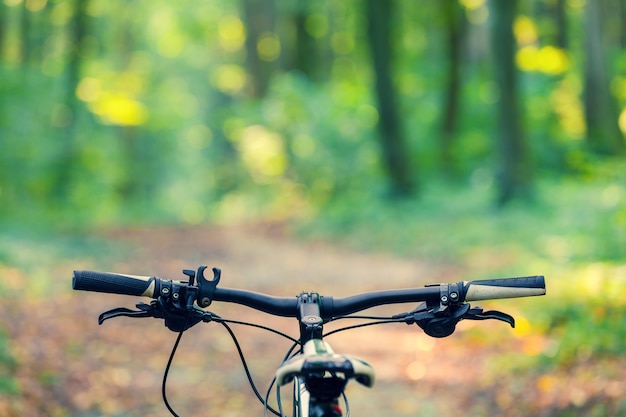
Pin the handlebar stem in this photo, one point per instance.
(310, 316)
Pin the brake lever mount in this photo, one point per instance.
(443, 323)
(176, 319)
(439, 319)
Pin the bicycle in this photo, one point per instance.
(318, 374)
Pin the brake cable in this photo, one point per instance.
(357, 326)
(247, 370)
(225, 322)
(167, 371)
(421, 316)
(258, 326)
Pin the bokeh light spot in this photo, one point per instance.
(229, 78)
(232, 33)
(316, 25)
(268, 47)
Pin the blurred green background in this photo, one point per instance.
(484, 135)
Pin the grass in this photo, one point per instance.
(36, 263)
(568, 221)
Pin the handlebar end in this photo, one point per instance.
(491, 289)
(111, 283)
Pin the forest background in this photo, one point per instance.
(485, 135)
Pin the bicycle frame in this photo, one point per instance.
(301, 398)
(319, 375)
(314, 398)
(306, 405)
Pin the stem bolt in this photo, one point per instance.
(312, 319)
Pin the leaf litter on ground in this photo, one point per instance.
(67, 365)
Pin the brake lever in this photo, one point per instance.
(124, 312)
(477, 313)
(176, 320)
(442, 323)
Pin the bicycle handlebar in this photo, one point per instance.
(179, 304)
(329, 306)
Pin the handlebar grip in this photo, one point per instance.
(490, 289)
(111, 283)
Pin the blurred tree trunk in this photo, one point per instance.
(228, 166)
(69, 152)
(513, 169)
(454, 17)
(555, 11)
(24, 52)
(77, 32)
(33, 32)
(622, 28)
(130, 185)
(35, 29)
(395, 155)
(560, 16)
(4, 21)
(259, 20)
(601, 112)
(304, 53)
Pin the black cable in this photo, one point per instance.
(345, 401)
(361, 318)
(287, 356)
(278, 400)
(267, 398)
(167, 370)
(356, 326)
(246, 369)
(258, 326)
(224, 322)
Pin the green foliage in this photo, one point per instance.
(569, 221)
(586, 329)
(160, 124)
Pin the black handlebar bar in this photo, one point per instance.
(330, 307)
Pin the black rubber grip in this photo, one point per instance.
(489, 289)
(113, 283)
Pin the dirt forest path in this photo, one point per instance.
(68, 366)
